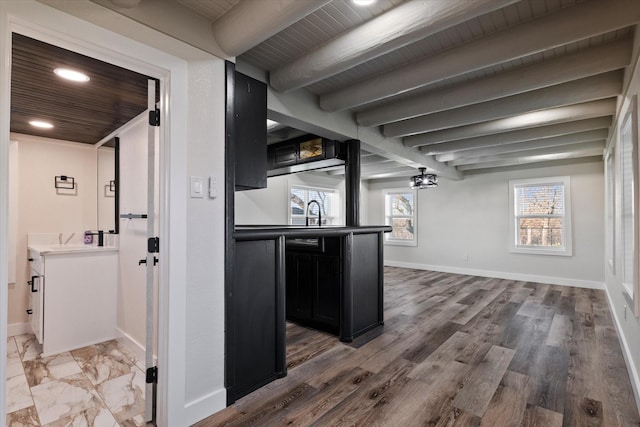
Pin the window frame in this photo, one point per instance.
(629, 121)
(514, 247)
(388, 239)
(610, 208)
(335, 201)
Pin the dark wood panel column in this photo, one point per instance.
(352, 183)
(229, 244)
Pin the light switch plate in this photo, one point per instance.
(213, 187)
(197, 187)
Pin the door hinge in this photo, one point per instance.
(152, 375)
(154, 117)
(153, 245)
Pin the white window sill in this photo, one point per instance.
(401, 242)
(541, 251)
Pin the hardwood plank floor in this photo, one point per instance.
(455, 350)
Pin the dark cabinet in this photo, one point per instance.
(250, 132)
(308, 152)
(326, 298)
(313, 282)
(300, 269)
(258, 318)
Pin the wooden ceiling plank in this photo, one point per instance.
(547, 151)
(587, 110)
(518, 136)
(578, 91)
(410, 22)
(562, 27)
(574, 138)
(579, 65)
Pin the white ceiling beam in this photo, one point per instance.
(532, 159)
(402, 25)
(392, 166)
(575, 66)
(582, 147)
(249, 23)
(574, 138)
(588, 89)
(565, 26)
(516, 136)
(374, 159)
(533, 165)
(587, 110)
(383, 175)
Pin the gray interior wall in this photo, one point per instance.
(463, 226)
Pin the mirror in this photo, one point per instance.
(107, 182)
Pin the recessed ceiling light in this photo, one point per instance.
(73, 75)
(271, 124)
(40, 124)
(363, 2)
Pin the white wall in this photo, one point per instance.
(463, 226)
(191, 372)
(270, 205)
(41, 209)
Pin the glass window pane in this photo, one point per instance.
(541, 232)
(402, 229)
(298, 201)
(540, 200)
(402, 204)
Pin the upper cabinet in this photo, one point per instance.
(250, 132)
(305, 153)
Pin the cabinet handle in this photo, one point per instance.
(32, 283)
(29, 311)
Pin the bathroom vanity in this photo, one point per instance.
(73, 292)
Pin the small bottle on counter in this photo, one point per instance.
(88, 238)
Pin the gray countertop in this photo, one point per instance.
(253, 232)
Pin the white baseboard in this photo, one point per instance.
(14, 329)
(634, 377)
(206, 406)
(137, 349)
(578, 283)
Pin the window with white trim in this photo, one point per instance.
(610, 224)
(628, 203)
(328, 205)
(540, 211)
(401, 214)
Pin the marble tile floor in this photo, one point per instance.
(95, 386)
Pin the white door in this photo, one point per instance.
(151, 260)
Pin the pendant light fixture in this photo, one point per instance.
(424, 180)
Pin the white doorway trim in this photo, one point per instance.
(39, 21)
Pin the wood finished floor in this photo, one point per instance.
(455, 350)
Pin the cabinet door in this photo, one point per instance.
(37, 306)
(250, 117)
(326, 301)
(300, 284)
(255, 310)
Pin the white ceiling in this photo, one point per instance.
(458, 86)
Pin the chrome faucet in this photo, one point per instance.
(306, 218)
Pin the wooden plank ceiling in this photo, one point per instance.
(456, 86)
(80, 112)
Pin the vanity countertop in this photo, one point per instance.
(57, 249)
